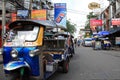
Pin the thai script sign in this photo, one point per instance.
(116, 21)
(95, 23)
(38, 15)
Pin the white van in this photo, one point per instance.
(88, 42)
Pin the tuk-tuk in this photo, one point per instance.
(106, 44)
(28, 56)
(69, 41)
(97, 44)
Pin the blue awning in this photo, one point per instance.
(104, 33)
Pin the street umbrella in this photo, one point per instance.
(104, 33)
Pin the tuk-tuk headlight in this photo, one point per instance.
(31, 53)
(34, 53)
(14, 53)
(63, 57)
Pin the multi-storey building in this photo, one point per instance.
(110, 13)
(13, 5)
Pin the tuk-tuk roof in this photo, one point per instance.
(65, 34)
(46, 23)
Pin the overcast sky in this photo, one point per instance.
(78, 9)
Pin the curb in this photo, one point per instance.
(115, 48)
(1, 59)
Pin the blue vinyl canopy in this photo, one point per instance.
(103, 33)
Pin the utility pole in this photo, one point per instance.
(30, 8)
(3, 19)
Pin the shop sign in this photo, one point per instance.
(116, 21)
(95, 22)
(117, 40)
(93, 5)
(38, 15)
(23, 14)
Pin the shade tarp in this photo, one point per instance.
(104, 33)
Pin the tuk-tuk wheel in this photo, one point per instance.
(71, 55)
(11, 77)
(65, 66)
(14, 77)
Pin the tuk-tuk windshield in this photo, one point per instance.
(88, 39)
(22, 34)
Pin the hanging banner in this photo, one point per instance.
(94, 24)
(60, 14)
(116, 21)
(38, 15)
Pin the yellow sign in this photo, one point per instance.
(38, 14)
(93, 5)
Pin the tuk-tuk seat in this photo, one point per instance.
(54, 50)
(54, 44)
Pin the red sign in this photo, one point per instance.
(14, 18)
(116, 21)
(94, 22)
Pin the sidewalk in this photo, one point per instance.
(114, 52)
(1, 59)
(115, 48)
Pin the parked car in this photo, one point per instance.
(87, 42)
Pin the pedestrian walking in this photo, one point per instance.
(75, 42)
(78, 43)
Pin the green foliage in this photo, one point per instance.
(71, 27)
(91, 15)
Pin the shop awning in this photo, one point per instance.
(104, 33)
(113, 31)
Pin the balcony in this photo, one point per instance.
(9, 7)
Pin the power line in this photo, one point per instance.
(77, 12)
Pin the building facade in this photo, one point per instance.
(12, 6)
(111, 20)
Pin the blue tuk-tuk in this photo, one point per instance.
(28, 56)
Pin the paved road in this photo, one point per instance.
(88, 64)
(1, 73)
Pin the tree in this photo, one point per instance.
(71, 27)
